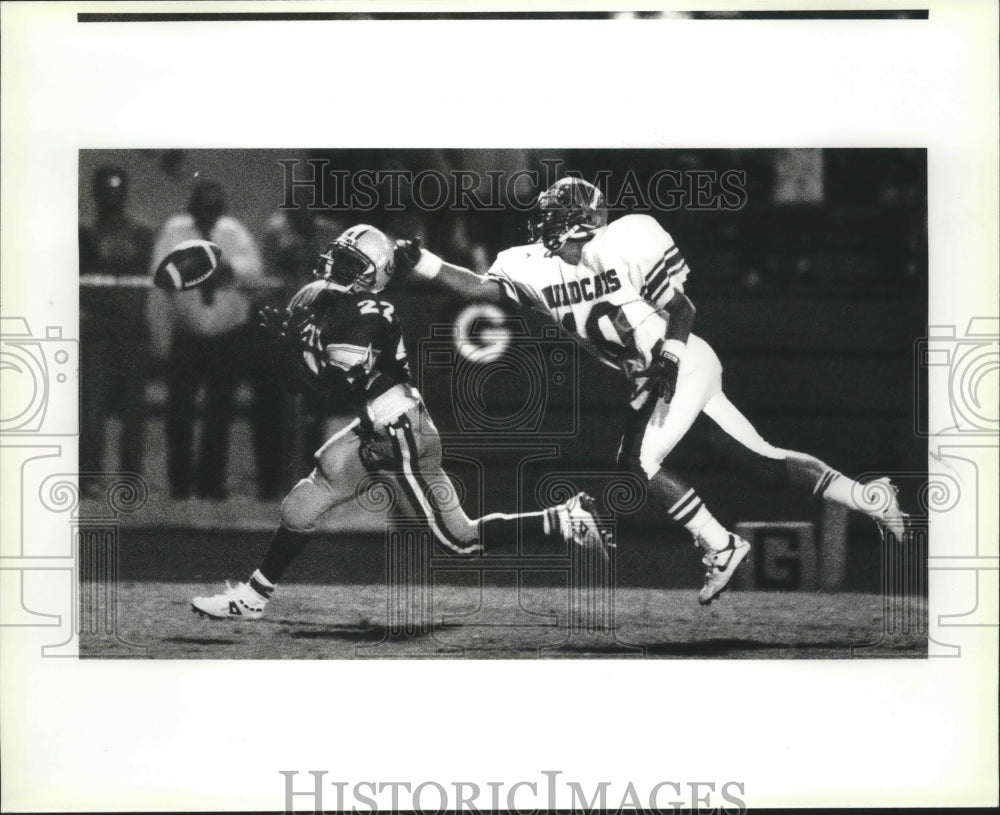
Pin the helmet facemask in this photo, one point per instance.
(571, 209)
(362, 259)
(346, 267)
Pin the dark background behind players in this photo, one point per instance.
(114, 353)
(813, 290)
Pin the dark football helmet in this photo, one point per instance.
(568, 210)
(362, 258)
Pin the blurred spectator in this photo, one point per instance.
(114, 353)
(508, 184)
(293, 240)
(460, 245)
(203, 336)
(798, 176)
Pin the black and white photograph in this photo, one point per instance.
(507, 403)
(452, 407)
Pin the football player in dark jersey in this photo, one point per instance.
(340, 337)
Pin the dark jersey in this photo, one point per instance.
(352, 347)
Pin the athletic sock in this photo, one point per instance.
(550, 522)
(261, 585)
(286, 545)
(691, 511)
(840, 489)
(500, 530)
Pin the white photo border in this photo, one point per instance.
(138, 735)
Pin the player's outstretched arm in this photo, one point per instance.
(411, 257)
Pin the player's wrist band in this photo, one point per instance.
(675, 348)
(429, 265)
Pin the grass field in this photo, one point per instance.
(353, 621)
(338, 602)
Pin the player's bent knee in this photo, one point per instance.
(295, 517)
(304, 505)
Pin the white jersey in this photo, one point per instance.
(613, 299)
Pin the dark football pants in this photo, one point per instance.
(113, 372)
(193, 362)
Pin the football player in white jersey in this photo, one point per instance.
(619, 289)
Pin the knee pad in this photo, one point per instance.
(305, 504)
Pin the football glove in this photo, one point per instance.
(661, 377)
(296, 323)
(284, 330)
(271, 321)
(411, 257)
(283, 326)
(408, 253)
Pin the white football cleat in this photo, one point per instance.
(890, 518)
(579, 526)
(239, 602)
(721, 563)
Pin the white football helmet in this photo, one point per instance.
(362, 258)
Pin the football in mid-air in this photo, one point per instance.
(187, 265)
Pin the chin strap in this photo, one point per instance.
(338, 286)
(574, 233)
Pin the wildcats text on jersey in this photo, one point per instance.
(576, 291)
